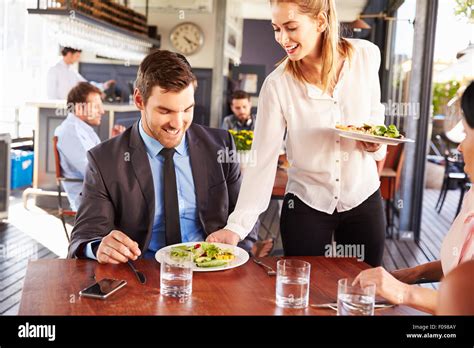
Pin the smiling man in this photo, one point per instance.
(160, 182)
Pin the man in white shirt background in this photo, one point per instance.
(62, 77)
(76, 136)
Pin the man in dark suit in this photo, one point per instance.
(161, 182)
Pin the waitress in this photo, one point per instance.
(62, 77)
(333, 186)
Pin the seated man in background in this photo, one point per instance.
(241, 118)
(76, 136)
(160, 182)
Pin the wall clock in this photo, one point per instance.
(187, 38)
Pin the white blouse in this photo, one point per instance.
(457, 237)
(61, 79)
(326, 172)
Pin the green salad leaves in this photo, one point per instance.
(205, 254)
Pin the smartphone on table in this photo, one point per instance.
(103, 288)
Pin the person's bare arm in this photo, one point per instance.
(423, 299)
(397, 292)
(430, 271)
(456, 291)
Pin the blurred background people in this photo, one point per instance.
(241, 117)
(76, 136)
(62, 77)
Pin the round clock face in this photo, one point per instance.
(187, 38)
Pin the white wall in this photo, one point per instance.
(167, 21)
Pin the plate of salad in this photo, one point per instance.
(386, 135)
(208, 257)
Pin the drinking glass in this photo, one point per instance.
(355, 300)
(292, 283)
(176, 276)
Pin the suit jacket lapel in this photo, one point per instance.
(142, 170)
(199, 168)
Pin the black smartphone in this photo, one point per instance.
(103, 288)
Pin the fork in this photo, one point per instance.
(270, 271)
(334, 305)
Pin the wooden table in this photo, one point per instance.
(52, 288)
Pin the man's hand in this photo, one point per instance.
(108, 84)
(118, 129)
(370, 147)
(117, 248)
(223, 236)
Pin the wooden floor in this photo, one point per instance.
(398, 253)
(16, 250)
(434, 226)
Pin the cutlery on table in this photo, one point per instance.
(140, 276)
(270, 271)
(334, 305)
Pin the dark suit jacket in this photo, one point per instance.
(118, 191)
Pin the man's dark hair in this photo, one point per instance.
(168, 70)
(467, 104)
(79, 94)
(66, 50)
(239, 94)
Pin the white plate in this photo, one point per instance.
(241, 256)
(372, 138)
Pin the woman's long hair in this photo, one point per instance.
(467, 104)
(334, 47)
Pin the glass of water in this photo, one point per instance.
(355, 300)
(176, 276)
(292, 283)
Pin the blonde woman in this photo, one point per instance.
(333, 186)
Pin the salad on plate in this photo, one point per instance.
(390, 131)
(205, 254)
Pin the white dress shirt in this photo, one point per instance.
(62, 78)
(326, 172)
(75, 138)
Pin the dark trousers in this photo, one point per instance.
(308, 232)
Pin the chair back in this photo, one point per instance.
(394, 157)
(56, 157)
(394, 161)
(398, 162)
